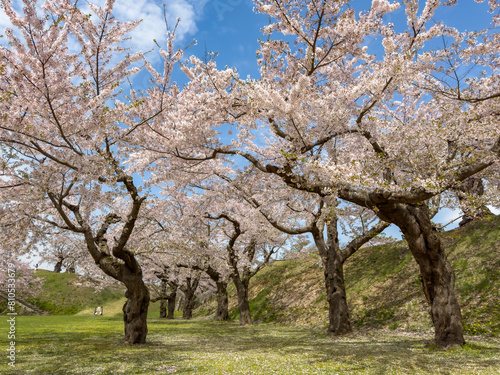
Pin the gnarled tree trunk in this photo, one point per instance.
(189, 297)
(168, 293)
(438, 278)
(135, 309)
(59, 264)
(243, 304)
(171, 304)
(222, 312)
(338, 313)
(339, 322)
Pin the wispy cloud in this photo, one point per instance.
(153, 27)
(4, 21)
(153, 22)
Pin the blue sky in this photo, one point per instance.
(231, 28)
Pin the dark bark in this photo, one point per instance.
(468, 192)
(163, 309)
(333, 259)
(243, 304)
(222, 312)
(438, 278)
(339, 322)
(333, 268)
(135, 309)
(129, 272)
(189, 297)
(163, 301)
(242, 279)
(167, 305)
(59, 264)
(168, 292)
(171, 304)
(116, 261)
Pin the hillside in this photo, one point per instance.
(383, 286)
(67, 293)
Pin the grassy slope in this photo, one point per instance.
(65, 293)
(383, 286)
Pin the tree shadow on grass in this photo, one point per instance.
(358, 352)
(204, 347)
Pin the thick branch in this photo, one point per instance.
(359, 241)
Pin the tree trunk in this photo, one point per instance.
(163, 302)
(58, 266)
(469, 195)
(222, 312)
(163, 309)
(135, 310)
(338, 312)
(339, 322)
(189, 297)
(243, 304)
(171, 304)
(438, 278)
(187, 308)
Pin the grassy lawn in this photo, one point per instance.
(91, 345)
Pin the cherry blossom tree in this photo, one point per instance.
(26, 282)
(209, 230)
(386, 126)
(210, 262)
(188, 287)
(250, 244)
(221, 280)
(296, 212)
(65, 249)
(166, 292)
(68, 126)
(177, 244)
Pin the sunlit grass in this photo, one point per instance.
(92, 345)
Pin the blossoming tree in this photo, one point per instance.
(67, 127)
(296, 212)
(386, 126)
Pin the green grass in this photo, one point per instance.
(60, 345)
(384, 294)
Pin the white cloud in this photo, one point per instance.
(4, 20)
(153, 23)
(495, 210)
